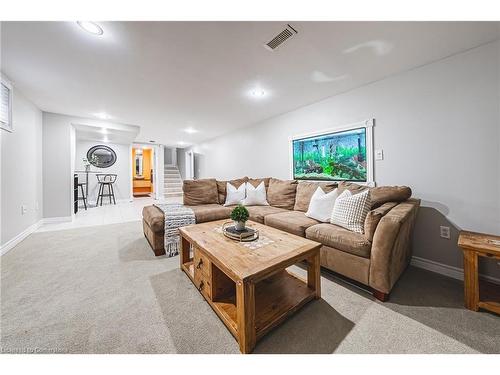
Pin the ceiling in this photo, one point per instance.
(169, 76)
(112, 133)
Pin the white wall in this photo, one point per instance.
(438, 126)
(181, 162)
(122, 168)
(21, 169)
(57, 166)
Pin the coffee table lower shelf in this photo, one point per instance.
(276, 298)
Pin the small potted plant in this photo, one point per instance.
(239, 215)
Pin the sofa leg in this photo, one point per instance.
(381, 296)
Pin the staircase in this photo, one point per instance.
(172, 182)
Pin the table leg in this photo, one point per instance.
(245, 310)
(184, 251)
(471, 282)
(87, 184)
(314, 275)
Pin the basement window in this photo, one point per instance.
(6, 105)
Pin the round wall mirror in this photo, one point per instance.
(101, 156)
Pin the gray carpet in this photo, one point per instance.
(101, 290)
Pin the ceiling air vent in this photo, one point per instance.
(281, 38)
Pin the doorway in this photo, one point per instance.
(143, 171)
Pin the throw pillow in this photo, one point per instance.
(233, 195)
(321, 205)
(306, 189)
(256, 196)
(350, 210)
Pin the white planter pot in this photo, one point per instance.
(239, 225)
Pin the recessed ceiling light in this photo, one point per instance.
(181, 143)
(257, 93)
(104, 131)
(102, 115)
(105, 139)
(90, 27)
(190, 130)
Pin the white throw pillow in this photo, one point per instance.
(233, 195)
(350, 210)
(256, 196)
(321, 205)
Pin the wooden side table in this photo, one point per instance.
(476, 245)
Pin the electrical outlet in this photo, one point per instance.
(379, 154)
(444, 232)
(24, 209)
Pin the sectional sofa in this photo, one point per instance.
(375, 259)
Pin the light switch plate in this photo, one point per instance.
(379, 154)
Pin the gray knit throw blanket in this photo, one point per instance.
(176, 216)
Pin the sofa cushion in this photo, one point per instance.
(221, 187)
(154, 217)
(198, 192)
(281, 193)
(294, 222)
(379, 194)
(383, 194)
(352, 187)
(256, 182)
(373, 218)
(339, 238)
(305, 191)
(210, 212)
(257, 213)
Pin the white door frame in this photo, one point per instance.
(190, 165)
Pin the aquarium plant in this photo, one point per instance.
(239, 215)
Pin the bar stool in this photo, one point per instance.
(106, 180)
(83, 197)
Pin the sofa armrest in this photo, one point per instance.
(391, 246)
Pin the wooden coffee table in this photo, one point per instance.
(249, 288)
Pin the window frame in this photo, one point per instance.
(9, 126)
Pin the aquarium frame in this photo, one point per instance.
(367, 124)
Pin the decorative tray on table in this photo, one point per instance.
(246, 235)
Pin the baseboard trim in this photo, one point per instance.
(444, 269)
(9, 245)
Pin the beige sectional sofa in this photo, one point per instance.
(375, 259)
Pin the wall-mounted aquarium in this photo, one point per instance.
(334, 156)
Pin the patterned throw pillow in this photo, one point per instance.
(350, 210)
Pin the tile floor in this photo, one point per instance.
(107, 214)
